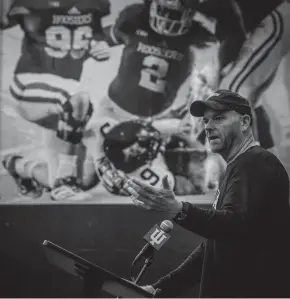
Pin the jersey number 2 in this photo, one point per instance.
(61, 40)
(153, 73)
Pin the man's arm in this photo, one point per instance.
(183, 277)
(242, 206)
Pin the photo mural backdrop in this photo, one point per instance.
(102, 91)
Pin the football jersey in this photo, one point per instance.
(57, 34)
(152, 67)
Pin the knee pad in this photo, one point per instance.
(71, 128)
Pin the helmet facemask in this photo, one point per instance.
(169, 17)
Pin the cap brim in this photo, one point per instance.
(198, 108)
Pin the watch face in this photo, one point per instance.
(182, 216)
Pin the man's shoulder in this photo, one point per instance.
(259, 153)
(254, 155)
(259, 161)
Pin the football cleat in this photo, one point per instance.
(26, 186)
(68, 189)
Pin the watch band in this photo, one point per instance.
(182, 215)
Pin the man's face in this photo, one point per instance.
(223, 129)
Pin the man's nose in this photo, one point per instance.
(209, 126)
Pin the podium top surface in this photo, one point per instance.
(99, 277)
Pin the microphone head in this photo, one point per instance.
(166, 226)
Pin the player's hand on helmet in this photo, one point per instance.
(100, 50)
(111, 178)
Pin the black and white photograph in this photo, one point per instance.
(145, 148)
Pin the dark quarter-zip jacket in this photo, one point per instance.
(246, 251)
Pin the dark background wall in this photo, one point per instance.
(108, 235)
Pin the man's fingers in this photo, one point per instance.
(145, 187)
(139, 191)
(154, 191)
(132, 191)
(149, 201)
(149, 205)
(135, 189)
(140, 203)
(141, 196)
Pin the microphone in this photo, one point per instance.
(155, 238)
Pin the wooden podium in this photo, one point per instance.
(97, 281)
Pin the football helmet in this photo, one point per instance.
(170, 17)
(132, 144)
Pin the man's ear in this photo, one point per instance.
(246, 122)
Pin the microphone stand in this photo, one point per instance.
(147, 263)
(147, 252)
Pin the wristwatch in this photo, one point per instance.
(182, 215)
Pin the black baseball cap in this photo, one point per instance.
(221, 100)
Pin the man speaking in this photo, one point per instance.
(246, 252)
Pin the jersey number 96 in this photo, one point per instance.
(61, 40)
